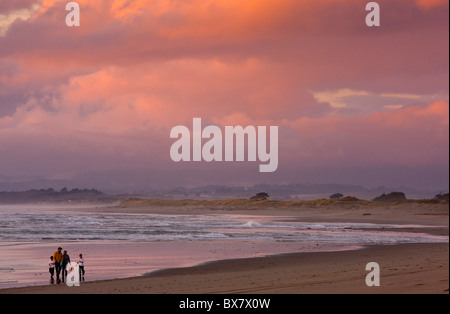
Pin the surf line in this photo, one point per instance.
(219, 148)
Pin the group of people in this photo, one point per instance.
(59, 261)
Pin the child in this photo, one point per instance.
(81, 267)
(51, 268)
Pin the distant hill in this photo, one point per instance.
(52, 196)
(393, 196)
(286, 192)
(289, 192)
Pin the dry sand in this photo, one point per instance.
(407, 268)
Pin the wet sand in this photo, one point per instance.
(24, 264)
(409, 268)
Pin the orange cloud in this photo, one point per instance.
(427, 4)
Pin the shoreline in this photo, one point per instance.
(405, 268)
(116, 260)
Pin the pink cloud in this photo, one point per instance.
(134, 69)
(413, 136)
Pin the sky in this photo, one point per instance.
(93, 106)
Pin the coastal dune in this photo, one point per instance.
(347, 209)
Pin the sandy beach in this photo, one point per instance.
(412, 268)
(405, 268)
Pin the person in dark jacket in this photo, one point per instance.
(65, 262)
